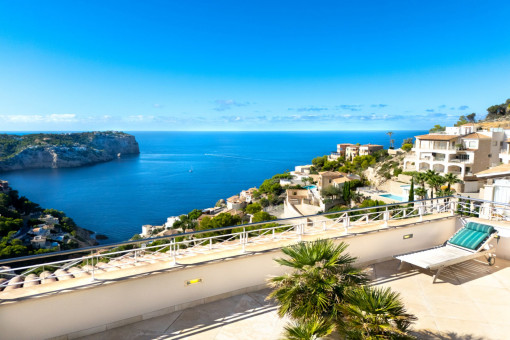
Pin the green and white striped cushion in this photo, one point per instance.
(472, 235)
(480, 227)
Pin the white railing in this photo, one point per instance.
(173, 248)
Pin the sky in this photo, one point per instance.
(250, 65)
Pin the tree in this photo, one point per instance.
(253, 208)
(313, 329)
(409, 140)
(471, 117)
(347, 193)
(374, 313)
(437, 128)
(434, 180)
(420, 178)
(262, 216)
(411, 191)
(389, 133)
(462, 120)
(421, 192)
(331, 192)
(451, 179)
(407, 147)
(194, 214)
(321, 274)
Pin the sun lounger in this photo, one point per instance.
(471, 241)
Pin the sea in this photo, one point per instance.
(175, 173)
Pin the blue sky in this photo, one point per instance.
(237, 65)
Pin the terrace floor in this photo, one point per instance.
(469, 301)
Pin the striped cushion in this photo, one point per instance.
(480, 227)
(468, 238)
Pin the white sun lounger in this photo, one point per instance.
(440, 257)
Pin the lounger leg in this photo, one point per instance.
(436, 275)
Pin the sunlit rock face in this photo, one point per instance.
(67, 150)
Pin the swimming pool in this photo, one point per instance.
(310, 187)
(393, 197)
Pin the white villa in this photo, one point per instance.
(463, 151)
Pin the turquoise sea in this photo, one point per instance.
(118, 197)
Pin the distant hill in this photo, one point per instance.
(64, 150)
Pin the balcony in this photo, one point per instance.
(458, 160)
(159, 282)
(459, 305)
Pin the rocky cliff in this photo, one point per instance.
(63, 150)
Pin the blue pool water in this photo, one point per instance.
(393, 197)
(310, 187)
(118, 197)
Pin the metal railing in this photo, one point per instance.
(88, 262)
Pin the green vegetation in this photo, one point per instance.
(407, 147)
(10, 145)
(466, 119)
(262, 216)
(496, 111)
(15, 212)
(325, 291)
(437, 128)
(253, 208)
(357, 165)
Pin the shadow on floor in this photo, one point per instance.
(427, 334)
(456, 274)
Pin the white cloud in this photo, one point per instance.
(53, 118)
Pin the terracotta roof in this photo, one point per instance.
(503, 169)
(370, 145)
(330, 174)
(476, 135)
(341, 180)
(437, 137)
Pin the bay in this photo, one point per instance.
(118, 197)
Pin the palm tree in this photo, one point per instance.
(420, 178)
(374, 313)
(435, 182)
(322, 272)
(421, 192)
(389, 133)
(308, 330)
(451, 179)
(431, 180)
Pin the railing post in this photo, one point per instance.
(174, 251)
(210, 243)
(93, 270)
(274, 231)
(347, 222)
(452, 207)
(420, 211)
(136, 255)
(324, 225)
(386, 217)
(244, 239)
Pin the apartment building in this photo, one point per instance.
(458, 150)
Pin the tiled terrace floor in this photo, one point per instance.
(469, 301)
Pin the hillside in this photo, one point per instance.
(63, 150)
